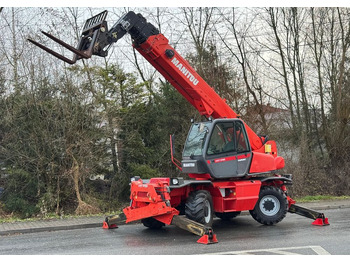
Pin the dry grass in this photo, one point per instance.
(86, 209)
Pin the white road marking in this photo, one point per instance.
(281, 252)
(278, 251)
(319, 250)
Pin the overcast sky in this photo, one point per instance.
(177, 3)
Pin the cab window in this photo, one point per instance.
(241, 143)
(222, 139)
(228, 137)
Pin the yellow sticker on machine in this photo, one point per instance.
(267, 148)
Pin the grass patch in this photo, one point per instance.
(13, 218)
(320, 198)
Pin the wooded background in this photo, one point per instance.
(71, 137)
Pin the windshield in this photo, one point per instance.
(196, 139)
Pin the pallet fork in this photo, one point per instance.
(93, 37)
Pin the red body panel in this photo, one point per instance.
(232, 196)
(262, 162)
(150, 200)
(228, 196)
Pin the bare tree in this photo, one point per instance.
(340, 89)
(274, 24)
(239, 51)
(293, 23)
(15, 55)
(317, 45)
(199, 22)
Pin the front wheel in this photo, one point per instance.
(199, 207)
(272, 206)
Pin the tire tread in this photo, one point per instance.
(263, 219)
(194, 206)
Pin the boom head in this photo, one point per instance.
(93, 40)
(96, 39)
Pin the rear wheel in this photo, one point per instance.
(227, 216)
(271, 207)
(152, 223)
(199, 207)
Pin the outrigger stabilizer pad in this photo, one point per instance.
(208, 238)
(107, 226)
(321, 222)
(112, 221)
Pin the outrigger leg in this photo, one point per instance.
(113, 221)
(206, 233)
(320, 219)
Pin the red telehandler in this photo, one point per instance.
(231, 168)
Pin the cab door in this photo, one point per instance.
(244, 154)
(228, 151)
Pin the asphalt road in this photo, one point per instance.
(243, 235)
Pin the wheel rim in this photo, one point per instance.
(207, 211)
(269, 205)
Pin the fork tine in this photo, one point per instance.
(65, 59)
(69, 47)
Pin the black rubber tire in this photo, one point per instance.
(199, 207)
(228, 215)
(272, 206)
(152, 223)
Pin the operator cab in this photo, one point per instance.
(219, 148)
